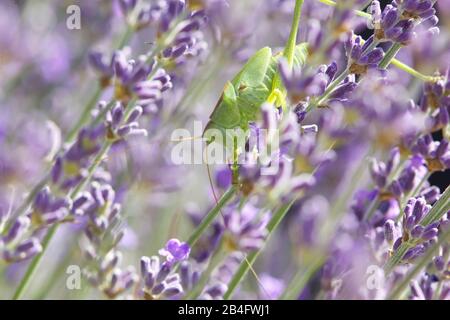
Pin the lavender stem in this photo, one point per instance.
(250, 259)
(210, 217)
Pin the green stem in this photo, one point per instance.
(357, 12)
(58, 272)
(329, 90)
(250, 259)
(413, 72)
(95, 163)
(390, 55)
(289, 49)
(85, 114)
(125, 38)
(34, 264)
(211, 216)
(424, 260)
(292, 40)
(240, 273)
(439, 209)
(213, 263)
(301, 278)
(21, 209)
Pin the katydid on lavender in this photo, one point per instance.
(239, 104)
(242, 97)
(258, 81)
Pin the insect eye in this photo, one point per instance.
(242, 87)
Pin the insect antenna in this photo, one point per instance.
(186, 139)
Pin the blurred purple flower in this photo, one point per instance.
(175, 251)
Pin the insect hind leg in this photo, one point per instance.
(235, 165)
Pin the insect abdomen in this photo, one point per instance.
(250, 99)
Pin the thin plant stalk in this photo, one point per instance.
(251, 258)
(211, 216)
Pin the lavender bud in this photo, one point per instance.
(390, 17)
(331, 71)
(57, 170)
(429, 234)
(217, 290)
(413, 253)
(396, 188)
(417, 231)
(172, 290)
(163, 272)
(42, 200)
(410, 222)
(179, 51)
(27, 249)
(389, 229)
(149, 280)
(145, 266)
(431, 194)
(19, 227)
(397, 243)
(82, 200)
(117, 115)
(159, 288)
(135, 114)
(111, 260)
(419, 209)
(439, 263)
(49, 218)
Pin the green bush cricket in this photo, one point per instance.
(257, 82)
(239, 104)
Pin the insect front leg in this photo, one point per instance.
(235, 165)
(277, 98)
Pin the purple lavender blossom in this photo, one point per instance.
(360, 57)
(398, 21)
(243, 231)
(158, 281)
(103, 231)
(175, 251)
(300, 85)
(435, 153)
(426, 289)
